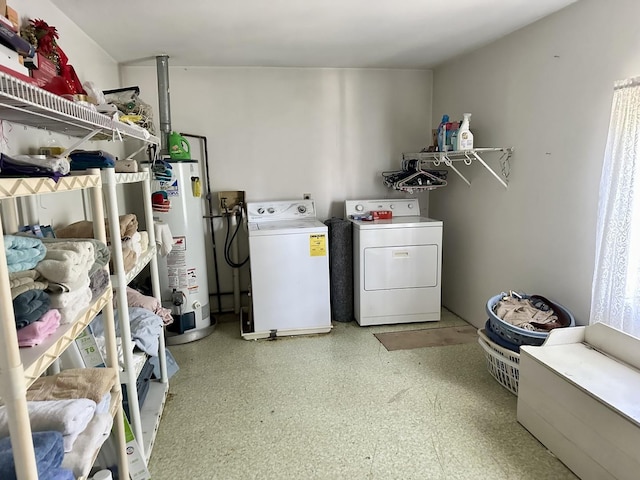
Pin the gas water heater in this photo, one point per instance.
(177, 202)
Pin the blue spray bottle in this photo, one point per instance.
(442, 128)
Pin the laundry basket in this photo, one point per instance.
(503, 364)
(516, 335)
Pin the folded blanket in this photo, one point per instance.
(26, 280)
(100, 250)
(128, 225)
(35, 333)
(9, 167)
(144, 240)
(126, 166)
(98, 282)
(67, 262)
(146, 328)
(129, 259)
(137, 299)
(53, 164)
(81, 229)
(23, 253)
(82, 300)
(133, 243)
(96, 433)
(49, 452)
(83, 159)
(29, 306)
(91, 383)
(84, 228)
(69, 417)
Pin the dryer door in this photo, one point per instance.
(400, 267)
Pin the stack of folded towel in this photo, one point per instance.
(69, 417)
(75, 404)
(49, 452)
(30, 300)
(27, 166)
(131, 243)
(98, 276)
(84, 159)
(66, 266)
(91, 383)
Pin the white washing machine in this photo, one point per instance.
(289, 252)
(397, 263)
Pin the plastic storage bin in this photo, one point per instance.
(503, 364)
(517, 335)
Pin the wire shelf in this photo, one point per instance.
(27, 104)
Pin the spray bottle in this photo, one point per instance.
(442, 131)
(465, 137)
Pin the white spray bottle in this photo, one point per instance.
(465, 137)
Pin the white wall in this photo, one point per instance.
(277, 133)
(545, 90)
(91, 63)
(280, 132)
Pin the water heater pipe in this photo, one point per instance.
(162, 64)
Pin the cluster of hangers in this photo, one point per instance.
(412, 178)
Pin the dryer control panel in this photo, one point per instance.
(399, 207)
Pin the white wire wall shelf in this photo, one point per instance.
(467, 157)
(27, 104)
(22, 187)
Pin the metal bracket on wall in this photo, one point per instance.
(468, 157)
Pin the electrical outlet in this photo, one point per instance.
(306, 196)
(228, 200)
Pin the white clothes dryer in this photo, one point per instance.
(397, 263)
(289, 252)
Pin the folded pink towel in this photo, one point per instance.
(35, 333)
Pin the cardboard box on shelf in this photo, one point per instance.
(13, 17)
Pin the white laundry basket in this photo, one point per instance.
(502, 363)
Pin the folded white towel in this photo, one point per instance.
(82, 300)
(67, 262)
(164, 238)
(80, 458)
(69, 417)
(66, 299)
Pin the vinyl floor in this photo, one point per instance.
(340, 406)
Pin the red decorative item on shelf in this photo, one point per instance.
(66, 82)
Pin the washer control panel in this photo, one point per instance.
(401, 207)
(280, 210)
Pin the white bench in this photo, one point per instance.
(579, 395)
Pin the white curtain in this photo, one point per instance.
(616, 282)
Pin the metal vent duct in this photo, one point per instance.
(162, 65)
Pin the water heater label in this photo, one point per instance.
(193, 280)
(170, 187)
(177, 264)
(318, 245)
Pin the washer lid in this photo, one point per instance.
(286, 227)
(397, 222)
